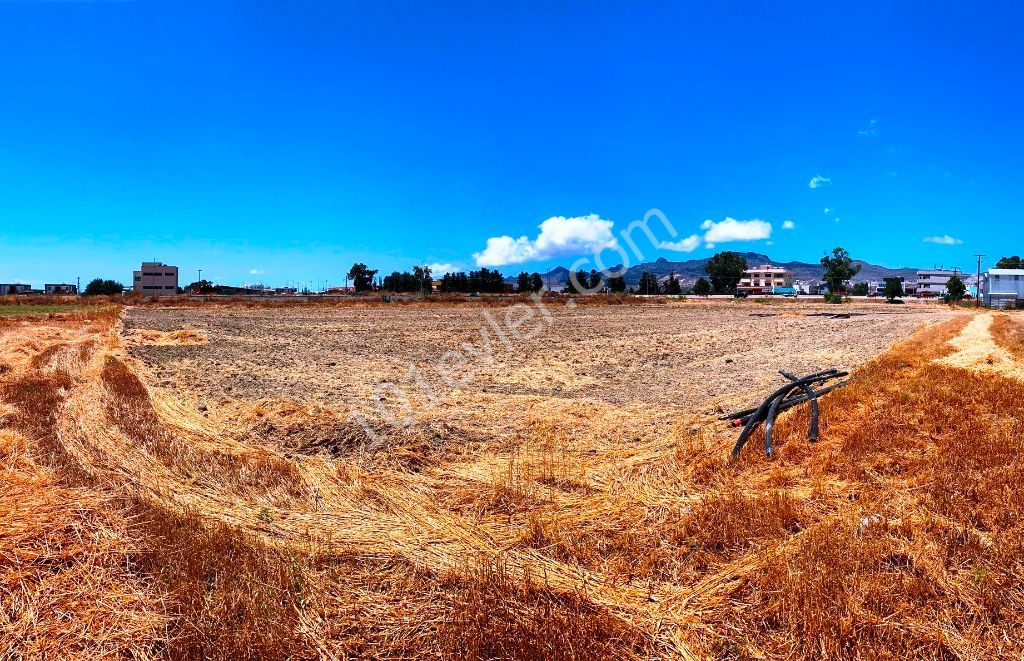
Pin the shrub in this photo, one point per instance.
(99, 287)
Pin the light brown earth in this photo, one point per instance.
(687, 358)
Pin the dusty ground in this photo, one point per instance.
(689, 357)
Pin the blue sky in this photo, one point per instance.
(279, 142)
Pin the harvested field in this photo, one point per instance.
(693, 355)
(572, 498)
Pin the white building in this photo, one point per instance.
(1002, 288)
(765, 279)
(8, 289)
(156, 279)
(933, 282)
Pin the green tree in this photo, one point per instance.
(1014, 262)
(648, 284)
(617, 284)
(860, 289)
(955, 289)
(536, 282)
(100, 287)
(838, 269)
(725, 270)
(577, 284)
(595, 280)
(672, 286)
(523, 283)
(893, 288)
(361, 276)
(702, 287)
(200, 287)
(424, 279)
(485, 281)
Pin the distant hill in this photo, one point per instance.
(689, 270)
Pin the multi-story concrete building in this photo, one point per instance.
(1003, 288)
(878, 288)
(156, 279)
(9, 289)
(933, 282)
(765, 279)
(60, 289)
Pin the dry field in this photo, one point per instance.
(192, 483)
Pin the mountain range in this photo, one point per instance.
(689, 270)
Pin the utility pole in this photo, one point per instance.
(977, 285)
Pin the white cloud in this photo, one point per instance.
(689, 244)
(501, 250)
(788, 225)
(558, 236)
(731, 229)
(871, 129)
(440, 268)
(944, 240)
(817, 181)
(567, 236)
(255, 272)
(827, 210)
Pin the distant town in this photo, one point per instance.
(724, 274)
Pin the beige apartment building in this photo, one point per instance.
(765, 279)
(156, 279)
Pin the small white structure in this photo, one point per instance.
(1003, 288)
(60, 289)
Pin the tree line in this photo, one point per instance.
(724, 271)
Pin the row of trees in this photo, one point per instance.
(724, 270)
(419, 280)
(484, 281)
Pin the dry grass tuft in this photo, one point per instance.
(66, 589)
(183, 337)
(493, 615)
(920, 557)
(129, 408)
(729, 524)
(230, 596)
(1008, 332)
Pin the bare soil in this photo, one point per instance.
(693, 356)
